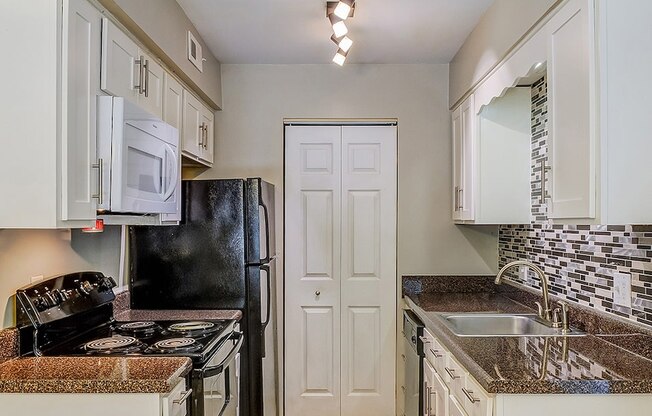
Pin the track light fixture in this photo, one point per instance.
(339, 27)
(340, 57)
(343, 43)
(337, 12)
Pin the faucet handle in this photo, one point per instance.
(556, 318)
(563, 308)
(539, 309)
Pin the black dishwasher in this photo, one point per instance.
(412, 330)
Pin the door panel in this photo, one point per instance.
(191, 137)
(119, 75)
(172, 102)
(81, 51)
(153, 101)
(312, 270)
(368, 281)
(340, 206)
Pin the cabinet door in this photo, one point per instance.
(191, 139)
(80, 86)
(454, 407)
(440, 400)
(428, 392)
(465, 198)
(208, 123)
(463, 129)
(456, 121)
(120, 76)
(152, 97)
(172, 102)
(571, 97)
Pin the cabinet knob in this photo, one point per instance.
(317, 293)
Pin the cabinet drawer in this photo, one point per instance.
(438, 356)
(475, 401)
(176, 403)
(455, 408)
(455, 376)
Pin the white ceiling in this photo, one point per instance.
(298, 32)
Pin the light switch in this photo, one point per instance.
(623, 289)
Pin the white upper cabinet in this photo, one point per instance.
(52, 113)
(122, 74)
(172, 102)
(571, 98)
(130, 72)
(152, 97)
(198, 130)
(463, 125)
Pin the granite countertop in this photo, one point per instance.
(599, 363)
(173, 315)
(92, 374)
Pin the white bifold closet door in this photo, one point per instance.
(340, 280)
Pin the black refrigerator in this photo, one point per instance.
(220, 256)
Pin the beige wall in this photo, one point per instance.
(501, 26)
(28, 253)
(162, 26)
(250, 143)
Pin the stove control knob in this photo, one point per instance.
(107, 283)
(51, 298)
(40, 303)
(58, 295)
(85, 287)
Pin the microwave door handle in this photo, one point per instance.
(172, 186)
(218, 369)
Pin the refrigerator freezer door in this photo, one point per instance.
(198, 264)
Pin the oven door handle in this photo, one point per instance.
(218, 369)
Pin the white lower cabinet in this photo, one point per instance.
(100, 404)
(448, 389)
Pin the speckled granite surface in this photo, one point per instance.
(8, 344)
(122, 313)
(595, 364)
(92, 374)
(170, 315)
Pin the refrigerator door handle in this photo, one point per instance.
(266, 269)
(267, 246)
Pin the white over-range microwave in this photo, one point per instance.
(139, 161)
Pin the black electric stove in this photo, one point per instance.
(72, 315)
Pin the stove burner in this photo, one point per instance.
(177, 345)
(132, 326)
(191, 326)
(116, 342)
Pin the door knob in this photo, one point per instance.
(317, 293)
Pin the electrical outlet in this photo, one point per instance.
(35, 279)
(623, 289)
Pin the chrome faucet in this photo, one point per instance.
(545, 312)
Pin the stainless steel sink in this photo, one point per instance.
(502, 325)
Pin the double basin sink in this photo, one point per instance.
(502, 325)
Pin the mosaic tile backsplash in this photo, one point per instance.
(580, 260)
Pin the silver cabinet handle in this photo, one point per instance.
(451, 373)
(435, 353)
(201, 135)
(146, 72)
(544, 170)
(460, 199)
(457, 188)
(205, 136)
(100, 180)
(183, 397)
(469, 395)
(428, 404)
(424, 340)
(141, 75)
(403, 357)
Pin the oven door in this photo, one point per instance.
(216, 386)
